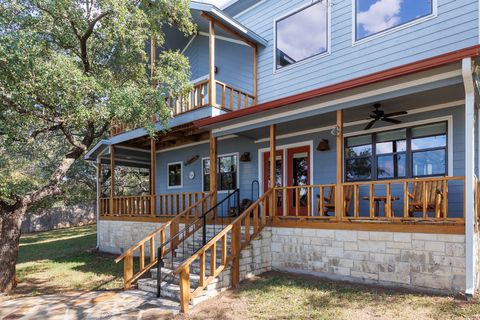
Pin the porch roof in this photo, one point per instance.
(270, 108)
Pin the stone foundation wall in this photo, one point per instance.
(413, 260)
(426, 261)
(117, 236)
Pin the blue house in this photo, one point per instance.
(368, 110)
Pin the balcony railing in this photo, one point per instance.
(227, 98)
(431, 200)
(166, 205)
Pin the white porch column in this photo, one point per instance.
(99, 193)
(469, 175)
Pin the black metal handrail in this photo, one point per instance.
(218, 210)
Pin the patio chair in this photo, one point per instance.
(329, 201)
(434, 194)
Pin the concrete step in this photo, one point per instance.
(169, 276)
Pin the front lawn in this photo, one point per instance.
(63, 260)
(287, 296)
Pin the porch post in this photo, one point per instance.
(213, 169)
(211, 45)
(99, 195)
(112, 178)
(339, 167)
(469, 176)
(273, 176)
(153, 175)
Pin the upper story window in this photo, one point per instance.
(302, 34)
(376, 16)
(411, 152)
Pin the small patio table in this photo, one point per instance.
(377, 200)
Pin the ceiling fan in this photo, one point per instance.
(379, 115)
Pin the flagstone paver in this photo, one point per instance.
(132, 304)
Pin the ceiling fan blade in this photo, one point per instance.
(370, 124)
(392, 120)
(394, 114)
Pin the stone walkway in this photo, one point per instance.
(132, 304)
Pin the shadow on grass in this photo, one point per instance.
(306, 296)
(66, 259)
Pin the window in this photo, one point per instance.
(410, 152)
(175, 175)
(302, 34)
(227, 172)
(375, 16)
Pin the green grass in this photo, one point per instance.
(63, 260)
(291, 297)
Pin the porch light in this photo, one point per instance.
(323, 145)
(245, 157)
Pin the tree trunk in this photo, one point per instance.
(9, 242)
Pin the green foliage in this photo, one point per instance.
(68, 68)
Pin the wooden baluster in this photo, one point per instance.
(224, 250)
(231, 98)
(239, 105)
(213, 259)
(162, 241)
(202, 269)
(388, 210)
(297, 201)
(309, 202)
(424, 199)
(185, 289)
(152, 249)
(246, 101)
(142, 257)
(264, 210)
(286, 198)
(405, 200)
(321, 208)
(127, 271)
(356, 204)
(445, 199)
(247, 227)
(183, 203)
(371, 198)
(255, 218)
(223, 95)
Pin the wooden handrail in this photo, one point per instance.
(183, 270)
(129, 276)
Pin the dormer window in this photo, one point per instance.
(377, 16)
(302, 34)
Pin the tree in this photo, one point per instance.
(68, 68)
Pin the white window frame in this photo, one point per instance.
(309, 59)
(383, 33)
(218, 157)
(181, 175)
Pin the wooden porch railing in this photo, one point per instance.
(159, 236)
(251, 221)
(397, 201)
(228, 98)
(166, 204)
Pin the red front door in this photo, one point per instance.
(298, 174)
(279, 176)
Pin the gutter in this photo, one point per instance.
(467, 73)
(414, 67)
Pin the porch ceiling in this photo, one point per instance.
(413, 103)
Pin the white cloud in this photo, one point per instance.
(381, 15)
(303, 34)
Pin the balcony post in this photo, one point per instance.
(273, 174)
(469, 206)
(339, 167)
(255, 75)
(211, 44)
(213, 170)
(153, 175)
(99, 195)
(112, 178)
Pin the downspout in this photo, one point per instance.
(467, 73)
